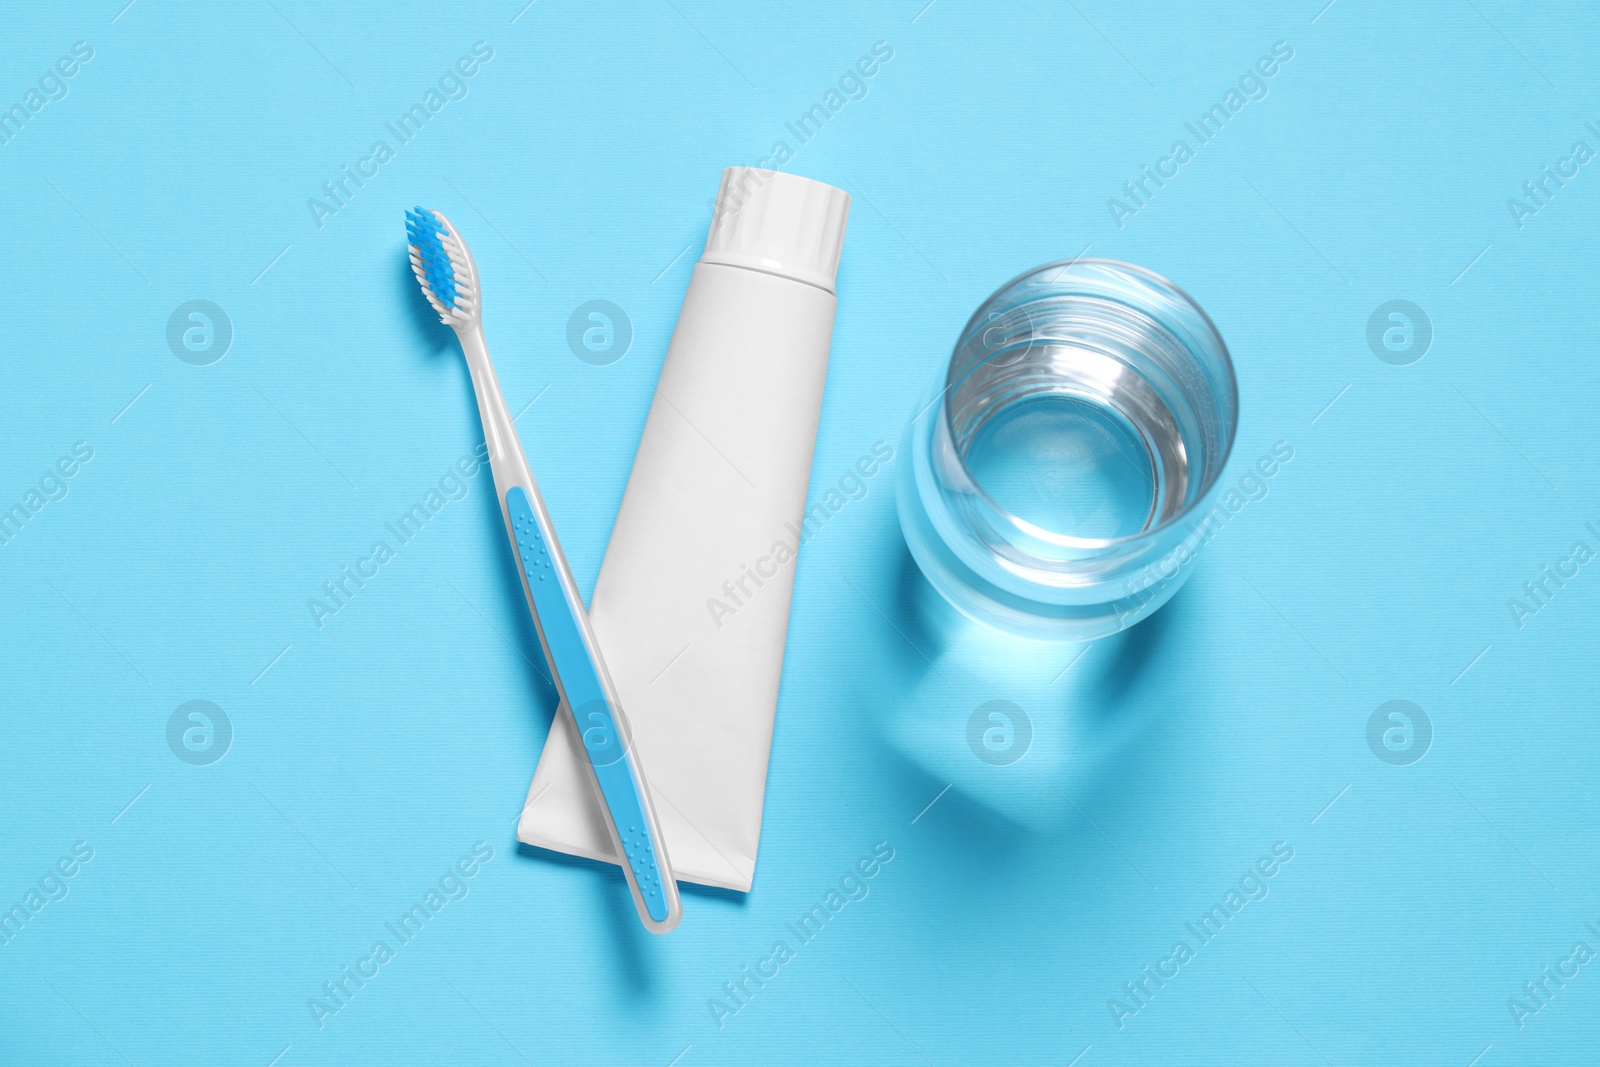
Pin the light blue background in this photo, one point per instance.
(376, 750)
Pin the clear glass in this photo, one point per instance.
(1059, 482)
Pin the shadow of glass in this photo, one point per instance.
(1021, 734)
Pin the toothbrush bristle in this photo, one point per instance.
(442, 265)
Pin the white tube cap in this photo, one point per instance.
(779, 223)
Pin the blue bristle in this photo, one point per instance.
(425, 234)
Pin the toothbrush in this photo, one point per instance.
(449, 280)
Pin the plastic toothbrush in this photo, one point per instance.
(449, 280)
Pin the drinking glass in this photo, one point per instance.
(1059, 480)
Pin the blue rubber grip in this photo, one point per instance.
(586, 698)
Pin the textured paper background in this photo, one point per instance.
(369, 755)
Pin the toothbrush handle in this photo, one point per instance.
(595, 713)
(574, 657)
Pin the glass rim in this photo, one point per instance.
(1070, 541)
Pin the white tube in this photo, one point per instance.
(691, 607)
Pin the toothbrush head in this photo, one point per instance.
(443, 267)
